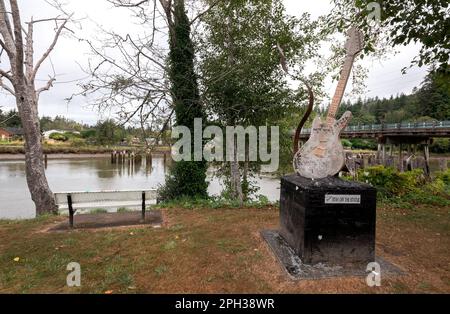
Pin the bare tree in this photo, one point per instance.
(128, 72)
(19, 80)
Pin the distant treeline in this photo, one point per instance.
(429, 102)
(106, 132)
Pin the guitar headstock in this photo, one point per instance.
(355, 42)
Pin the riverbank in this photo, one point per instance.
(55, 156)
(68, 152)
(202, 250)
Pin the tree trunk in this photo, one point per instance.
(236, 187)
(245, 182)
(40, 192)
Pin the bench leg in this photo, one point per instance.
(71, 211)
(143, 208)
(71, 218)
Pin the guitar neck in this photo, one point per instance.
(340, 89)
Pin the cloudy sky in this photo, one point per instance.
(385, 77)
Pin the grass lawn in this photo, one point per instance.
(211, 250)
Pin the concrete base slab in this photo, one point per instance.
(296, 270)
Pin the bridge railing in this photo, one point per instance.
(393, 126)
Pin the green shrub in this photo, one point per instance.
(124, 210)
(77, 142)
(391, 182)
(71, 135)
(440, 145)
(98, 211)
(444, 176)
(213, 203)
(408, 189)
(88, 133)
(58, 137)
(346, 143)
(363, 144)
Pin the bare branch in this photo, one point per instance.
(6, 74)
(7, 42)
(49, 50)
(6, 87)
(46, 87)
(128, 4)
(18, 67)
(47, 20)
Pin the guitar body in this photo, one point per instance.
(323, 154)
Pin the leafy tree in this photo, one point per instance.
(60, 123)
(420, 21)
(433, 98)
(10, 118)
(240, 65)
(108, 132)
(186, 178)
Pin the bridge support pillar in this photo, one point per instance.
(400, 158)
(426, 155)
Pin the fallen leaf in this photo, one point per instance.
(16, 259)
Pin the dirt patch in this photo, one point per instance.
(108, 220)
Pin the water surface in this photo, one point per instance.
(93, 174)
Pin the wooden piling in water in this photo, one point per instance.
(443, 164)
(426, 153)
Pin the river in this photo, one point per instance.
(92, 174)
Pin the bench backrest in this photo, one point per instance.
(104, 196)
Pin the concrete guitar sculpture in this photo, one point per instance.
(323, 155)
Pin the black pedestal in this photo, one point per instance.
(329, 220)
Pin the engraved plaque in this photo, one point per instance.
(342, 199)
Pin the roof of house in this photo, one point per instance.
(2, 130)
(14, 131)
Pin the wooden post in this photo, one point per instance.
(426, 153)
(443, 164)
(112, 157)
(143, 207)
(71, 212)
(45, 160)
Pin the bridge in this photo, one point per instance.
(382, 132)
(405, 135)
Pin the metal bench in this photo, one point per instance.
(67, 201)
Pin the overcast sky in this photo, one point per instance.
(385, 78)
